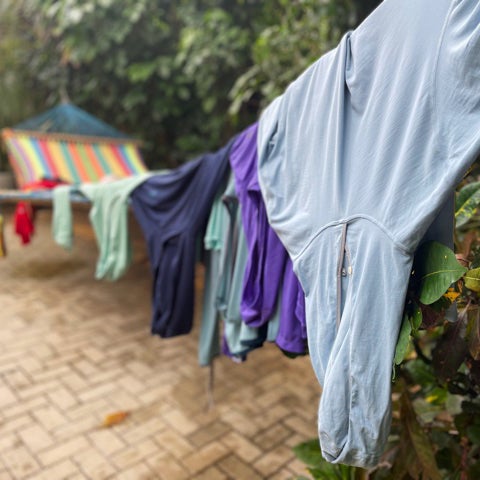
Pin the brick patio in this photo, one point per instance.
(74, 350)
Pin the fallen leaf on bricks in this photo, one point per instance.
(114, 419)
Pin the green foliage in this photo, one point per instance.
(14, 104)
(309, 453)
(211, 51)
(10, 79)
(301, 32)
(181, 76)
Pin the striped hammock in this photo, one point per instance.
(72, 158)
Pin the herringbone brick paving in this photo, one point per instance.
(74, 349)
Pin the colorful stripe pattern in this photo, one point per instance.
(75, 160)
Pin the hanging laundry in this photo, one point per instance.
(24, 215)
(269, 271)
(214, 245)
(109, 219)
(356, 159)
(62, 219)
(239, 337)
(209, 337)
(226, 259)
(23, 221)
(172, 211)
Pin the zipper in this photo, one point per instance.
(342, 271)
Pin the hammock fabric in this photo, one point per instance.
(72, 158)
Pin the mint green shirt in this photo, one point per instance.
(109, 219)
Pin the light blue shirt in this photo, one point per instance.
(356, 159)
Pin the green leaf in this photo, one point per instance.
(209, 104)
(467, 202)
(326, 472)
(472, 279)
(403, 340)
(437, 268)
(416, 319)
(139, 72)
(464, 194)
(437, 396)
(309, 452)
(320, 473)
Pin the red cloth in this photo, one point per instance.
(43, 184)
(23, 220)
(24, 213)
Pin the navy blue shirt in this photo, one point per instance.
(172, 210)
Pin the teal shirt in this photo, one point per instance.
(225, 264)
(209, 338)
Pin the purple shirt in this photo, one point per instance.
(269, 269)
